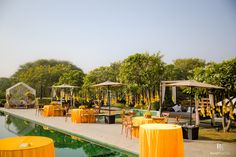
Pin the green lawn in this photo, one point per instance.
(215, 135)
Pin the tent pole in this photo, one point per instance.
(190, 105)
(109, 103)
(160, 109)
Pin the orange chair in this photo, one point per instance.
(68, 114)
(166, 115)
(129, 126)
(123, 123)
(177, 119)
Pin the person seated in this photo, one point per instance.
(177, 108)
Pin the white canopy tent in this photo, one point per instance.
(9, 90)
(62, 92)
(17, 94)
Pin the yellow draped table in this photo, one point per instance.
(140, 121)
(83, 116)
(161, 140)
(52, 110)
(27, 146)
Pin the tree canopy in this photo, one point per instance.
(42, 74)
(4, 84)
(142, 70)
(184, 68)
(222, 74)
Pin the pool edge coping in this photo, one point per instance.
(84, 138)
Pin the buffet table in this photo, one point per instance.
(164, 140)
(27, 146)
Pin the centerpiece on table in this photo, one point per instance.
(148, 114)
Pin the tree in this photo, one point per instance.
(184, 67)
(169, 72)
(181, 69)
(42, 74)
(73, 77)
(222, 74)
(4, 84)
(142, 73)
(103, 74)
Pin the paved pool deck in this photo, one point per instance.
(109, 135)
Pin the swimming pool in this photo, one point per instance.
(65, 145)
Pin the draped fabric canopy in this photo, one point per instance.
(62, 91)
(193, 83)
(185, 83)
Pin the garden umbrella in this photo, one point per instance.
(193, 83)
(108, 84)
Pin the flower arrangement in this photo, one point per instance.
(82, 107)
(29, 95)
(148, 114)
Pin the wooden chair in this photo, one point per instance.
(123, 122)
(132, 113)
(68, 114)
(130, 126)
(166, 116)
(159, 120)
(39, 109)
(67, 109)
(177, 119)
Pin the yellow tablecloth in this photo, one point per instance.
(58, 110)
(27, 146)
(161, 140)
(83, 116)
(140, 121)
(52, 110)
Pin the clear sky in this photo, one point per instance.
(93, 33)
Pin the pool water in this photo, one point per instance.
(65, 145)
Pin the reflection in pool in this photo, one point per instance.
(65, 145)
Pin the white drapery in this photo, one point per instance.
(174, 94)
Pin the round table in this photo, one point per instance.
(165, 140)
(139, 121)
(27, 146)
(52, 110)
(48, 110)
(83, 116)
